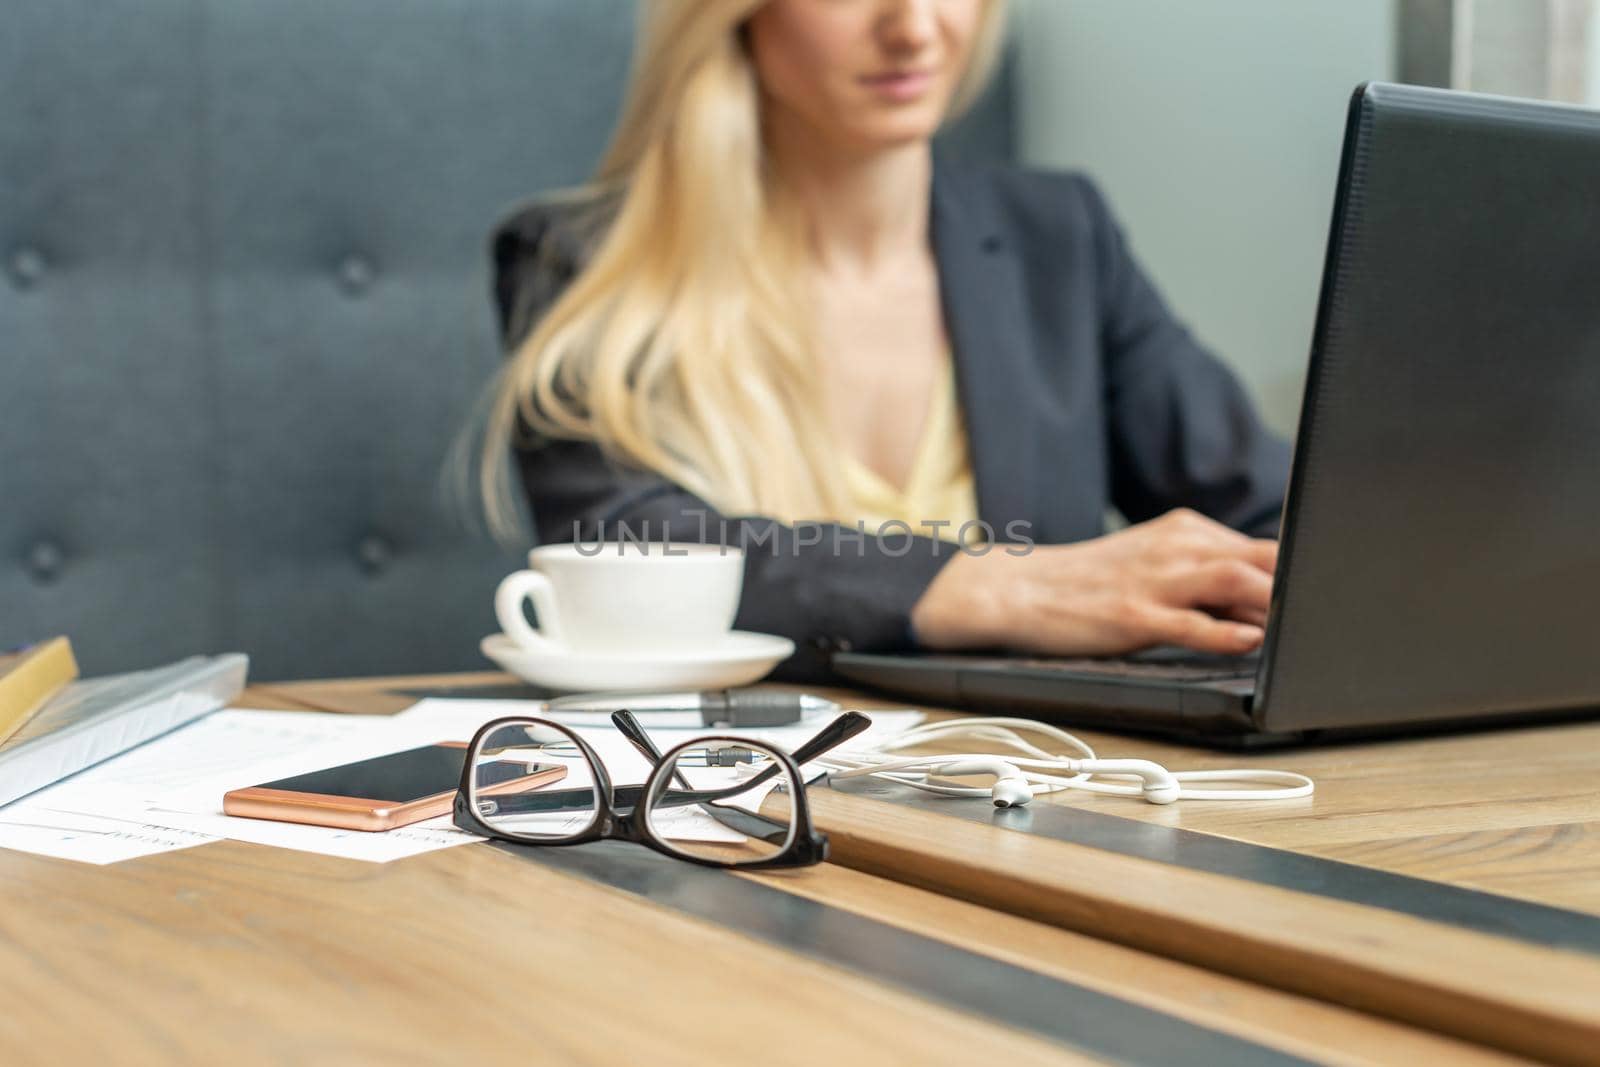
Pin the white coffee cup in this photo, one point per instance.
(625, 598)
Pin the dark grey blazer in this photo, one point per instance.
(1080, 392)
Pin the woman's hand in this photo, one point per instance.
(1181, 579)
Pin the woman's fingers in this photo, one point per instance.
(1197, 630)
(1263, 554)
(1253, 616)
(1178, 580)
(1207, 537)
(1223, 584)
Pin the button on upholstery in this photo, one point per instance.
(45, 561)
(26, 267)
(356, 274)
(374, 554)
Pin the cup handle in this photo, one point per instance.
(525, 585)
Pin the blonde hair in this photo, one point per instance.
(683, 345)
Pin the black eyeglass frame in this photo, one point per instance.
(619, 813)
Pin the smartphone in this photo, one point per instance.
(384, 792)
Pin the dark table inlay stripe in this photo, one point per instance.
(1004, 993)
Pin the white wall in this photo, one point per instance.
(1214, 128)
(1594, 58)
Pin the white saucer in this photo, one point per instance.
(738, 659)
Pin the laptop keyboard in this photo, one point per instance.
(1165, 665)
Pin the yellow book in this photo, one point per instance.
(29, 678)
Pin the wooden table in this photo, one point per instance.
(1510, 812)
(237, 953)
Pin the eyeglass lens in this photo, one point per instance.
(513, 805)
(705, 809)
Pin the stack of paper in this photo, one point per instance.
(100, 718)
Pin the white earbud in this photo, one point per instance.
(1011, 792)
(1156, 782)
(1011, 789)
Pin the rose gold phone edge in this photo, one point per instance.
(361, 813)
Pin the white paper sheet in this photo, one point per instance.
(99, 814)
(217, 745)
(278, 744)
(199, 763)
(89, 839)
(373, 847)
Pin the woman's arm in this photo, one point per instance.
(1181, 579)
(823, 586)
(1192, 467)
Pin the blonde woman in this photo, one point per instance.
(910, 389)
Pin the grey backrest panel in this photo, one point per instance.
(245, 309)
(104, 493)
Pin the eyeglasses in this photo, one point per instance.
(717, 801)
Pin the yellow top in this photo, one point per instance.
(939, 486)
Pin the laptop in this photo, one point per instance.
(1439, 558)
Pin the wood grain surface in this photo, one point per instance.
(242, 954)
(238, 954)
(1299, 1025)
(1384, 797)
(1525, 999)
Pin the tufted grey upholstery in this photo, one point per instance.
(244, 309)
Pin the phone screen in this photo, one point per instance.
(400, 777)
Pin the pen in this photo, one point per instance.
(737, 708)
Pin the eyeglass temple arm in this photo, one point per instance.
(631, 728)
(831, 736)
